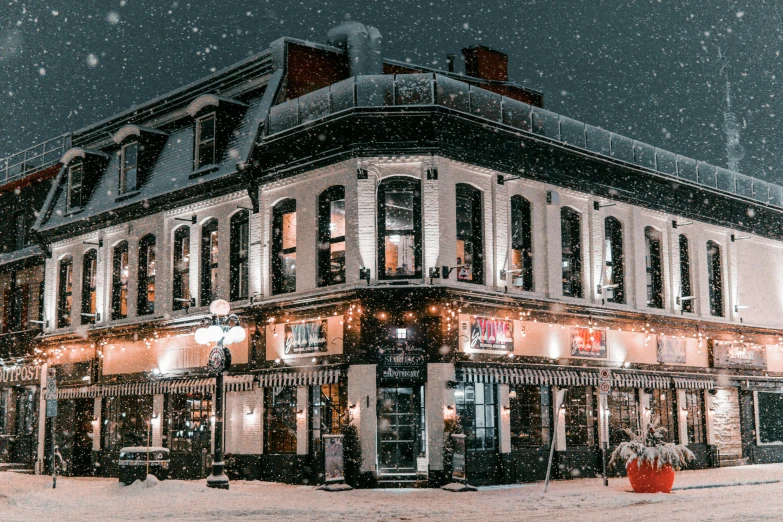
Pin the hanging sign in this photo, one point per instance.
(334, 463)
(219, 360)
(490, 334)
(671, 350)
(305, 337)
(402, 361)
(729, 354)
(20, 374)
(588, 342)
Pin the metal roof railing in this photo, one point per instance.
(33, 159)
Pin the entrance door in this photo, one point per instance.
(398, 430)
(81, 457)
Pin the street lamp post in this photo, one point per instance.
(224, 330)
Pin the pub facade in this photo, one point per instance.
(405, 247)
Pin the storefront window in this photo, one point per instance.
(284, 247)
(623, 415)
(280, 406)
(120, 276)
(399, 228)
(662, 406)
(209, 262)
(571, 243)
(581, 416)
(770, 406)
(614, 280)
(328, 412)
(65, 293)
(477, 410)
(126, 421)
(470, 243)
(188, 421)
(529, 416)
(694, 404)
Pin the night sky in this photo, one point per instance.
(645, 69)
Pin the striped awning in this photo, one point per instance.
(231, 383)
(694, 382)
(555, 377)
(79, 392)
(625, 379)
(273, 379)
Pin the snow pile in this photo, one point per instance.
(647, 445)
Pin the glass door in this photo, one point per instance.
(398, 430)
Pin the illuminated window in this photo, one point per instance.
(147, 269)
(284, 247)
(280, 406)
(614, 277)
(399, 228)
(65, 292)
(331, 236)
(120, 276)
(521, 243)
(89, 286)
(209, 262)
(470, 245)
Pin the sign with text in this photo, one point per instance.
(51, 408)
(729, 354)
(20, 374)
(671, 350)
(490, 334)
(604, 381)
(402, 361)
(334, 464)
(305, 337)
(459, 472)
(588, 342)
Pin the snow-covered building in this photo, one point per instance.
(405, 246)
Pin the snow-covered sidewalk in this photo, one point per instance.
(753, 496)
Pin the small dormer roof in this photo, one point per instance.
(212, 100)
(136, 130)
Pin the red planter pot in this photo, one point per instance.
(648, 479)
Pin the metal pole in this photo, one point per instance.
(218, 479)
(54, 456)
(148, 450)
(605, 443)
(554, 436)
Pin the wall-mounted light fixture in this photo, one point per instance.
(597, 205)
(191, 220)
(45, 324)
(364, 275)
(683, 223)
(99, 244)
(737, 308)
(96, 316)
(738, 238)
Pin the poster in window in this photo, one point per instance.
(334, 463)
(671, 350)
(729, 354)
(305, 337)
(588, 342)
(491, 334)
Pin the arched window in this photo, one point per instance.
(146, 289)
(614, 276)
(89, 286)
(686, 289)
(119, 286)
(470, 242)
(399, 228)
(521, 243)
(65, 294)
(181, 264)
(715, 278)
(239, 252)
(284, 247)
(571, 242)
(331, 236)
(653, 259)
(209, 262)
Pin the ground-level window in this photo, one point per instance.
(328, 412)
(477, 411)
(770, 406)
(529, 416)
(188, 422)
(623, 414)
(581, 416)
(280, 407)
(126, 421)
(694, 406)
(662, 406)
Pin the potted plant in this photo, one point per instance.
(649, 461)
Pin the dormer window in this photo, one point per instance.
(129, 163)
(75, 178)
(205, 141)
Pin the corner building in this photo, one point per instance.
(404, 246)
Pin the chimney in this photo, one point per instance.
(485, 63)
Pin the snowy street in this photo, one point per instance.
(750, 493)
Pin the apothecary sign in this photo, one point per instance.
(20, 374)
(490, 334)
(402, 362)
(728, 354)
(305, 337)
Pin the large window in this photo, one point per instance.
(399, 228)
(328, 412)
(654, 260)
(715, 278)
(205, 141)
(581, 416)
(181, 284)
(470, 229)
(521, 243)
(209, 262)
(280, 406)
(129, 162)
(89, 286)
(694, 406)
(623, 415)
(284, 247)
(75, 177)
(614, 276)
(126, 421)
(65, 293)
(770, 406)
(529, 416)
(331, 236)
(686, 289)
(662, 406)
(188, 424)
(477, 411)
(146, 288)
(119, 286)
(571, 242)
(240, 241)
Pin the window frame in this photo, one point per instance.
(571, 252)
(653, 251)
(578, 406)
(522, 240)
(623, 405)
(522, 412)
(695, 421)
(280, 210)
(198, 409)
(147, 245)
(399, 183)
(668, 418)
(476, 236)
(209, 287)
(280, 433)
(65, 292)
(614, 259)
(767, 434)
(180, 287)
(468, 411)
(119, 290)
(686, 278)
(320, 424)
(199, 142)
(75, 189)
(326, 276)
(715, 278)
(239, 252)
(89, 286)
(123, 185)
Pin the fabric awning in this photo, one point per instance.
(231, 383)
(79, 392)
(555, 377)
(626, 379)
(273, 379)
(694, 382)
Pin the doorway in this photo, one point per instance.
(400, 420)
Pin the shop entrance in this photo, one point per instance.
(400, 441)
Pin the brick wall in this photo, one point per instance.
(725, 412)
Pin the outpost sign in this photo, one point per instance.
(402, 362)
(21, 374)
